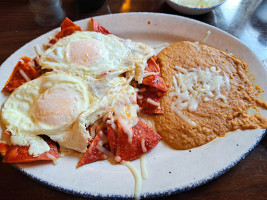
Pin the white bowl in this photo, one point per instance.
(191, 10)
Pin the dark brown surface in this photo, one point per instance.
(242, 18)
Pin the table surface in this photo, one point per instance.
(245, 19)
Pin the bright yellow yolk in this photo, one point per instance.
(84, 52)
(57, 106)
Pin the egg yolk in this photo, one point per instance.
(57, 106)
(84, 51)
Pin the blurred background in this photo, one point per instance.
(27, 19)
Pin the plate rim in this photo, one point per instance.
(146, 195)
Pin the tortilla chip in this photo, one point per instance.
(98, 28)
(141, 134)
(154, 88)
(67, 28)
(3, 148)
(20, 154)
(152, 94)
(155, 81)
(152, 66)
(112, 139)
(92, 154)
(16, 79)
(6, 132)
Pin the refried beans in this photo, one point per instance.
(212, 112)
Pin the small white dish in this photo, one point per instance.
(192, 10)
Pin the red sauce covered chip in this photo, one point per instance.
(152, 66)
(21, 72)
(155, 81)
(153, 87)
(149, 101)
(92, 154)
(67, 28)
(20, 154)
(3, 148)
(112, 139)
(144, 139)
(98, 28)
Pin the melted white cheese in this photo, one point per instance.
(125, 111)
(143, 166)
(137, 178)
(36, 144)
(151, 101)
(146, 73)
(143, 145)
(37, 50)
(140, 97)
(117, 158)
(104, 150)
(194, 85)
(195, 44)
(162, 45)
(24, 75)
(205, 38)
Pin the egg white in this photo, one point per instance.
(94, 54)
(39, 107)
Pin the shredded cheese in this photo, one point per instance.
(137, 178)
(143, 145)
(125, 111)
(226, 78)
(139, 97)
(53, 158)
(117, 158)
(127, 129)
(104, 150)
(180, 114)
(90, 148)
(151, 101)
(37, 50)
(92, 131)
(113, 126)
(24, 75)
(195, 45)
(162, 45)
(205, 38)
(191, 86)
(146, 74)
(101, 134)
(143, 167)
(180, 69)
(50, 156)
(31, 63)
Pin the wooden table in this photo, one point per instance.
(243, 19)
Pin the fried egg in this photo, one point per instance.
(94, 54)
(47, 105)
(84, 84)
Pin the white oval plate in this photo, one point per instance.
(170, 171)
